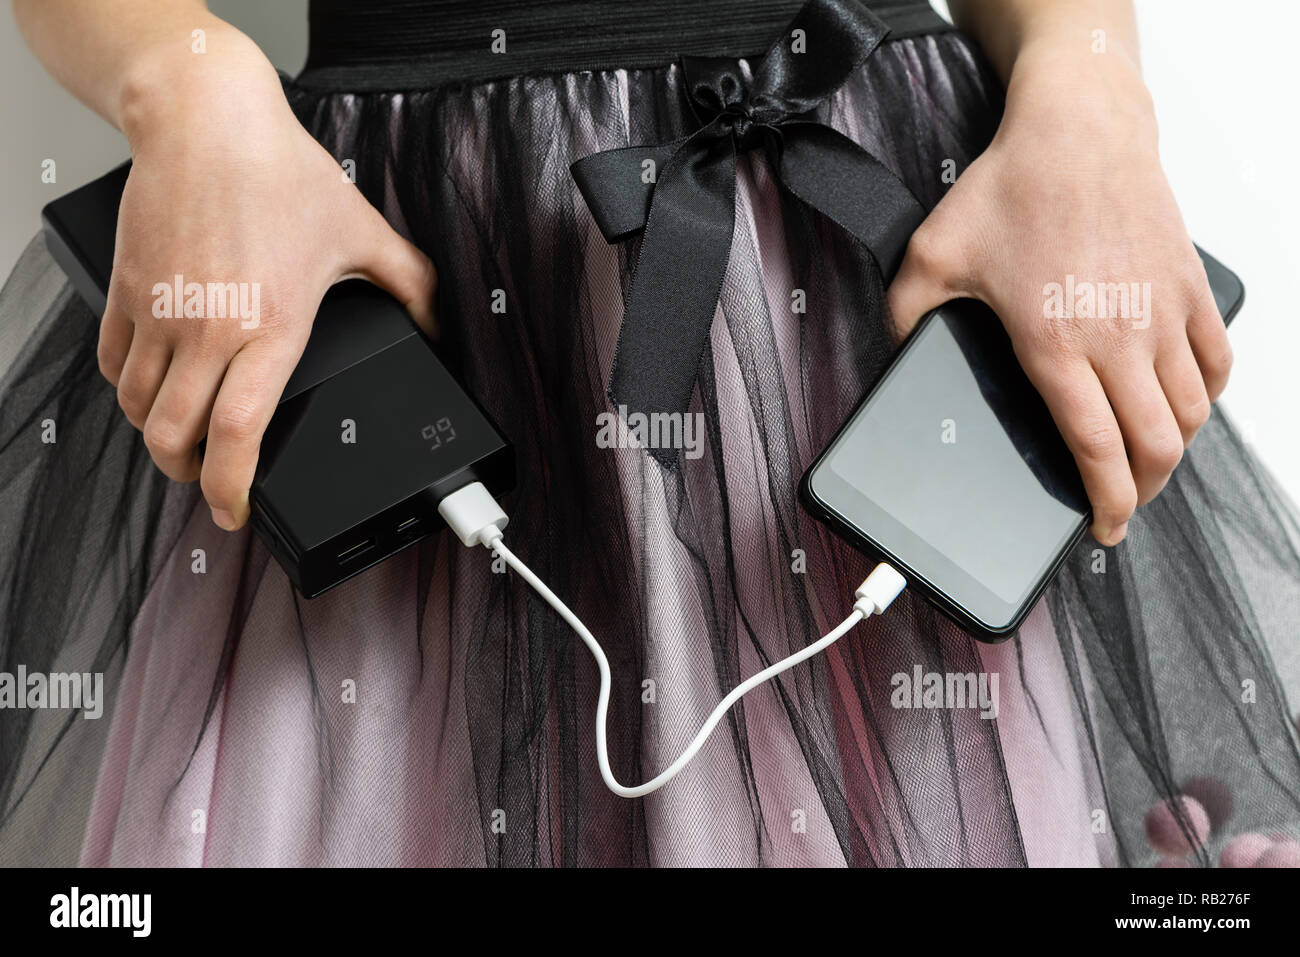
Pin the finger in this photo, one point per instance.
(1151, 434)
(928, 277)
(142, 375)
(1209, 341)
(115, 332)
(179, 417)
(243, 406)
(1078, 404)
(393, 263)
(1180, 377)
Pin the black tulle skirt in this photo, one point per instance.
(1140, 716)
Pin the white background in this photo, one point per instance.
(1225, 76)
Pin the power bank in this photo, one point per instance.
(371, 431)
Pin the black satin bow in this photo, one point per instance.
(687, 208)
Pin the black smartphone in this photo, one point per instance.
(952, 470)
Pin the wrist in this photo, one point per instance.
(178, 75)
(1100, 84)
(1102, 28)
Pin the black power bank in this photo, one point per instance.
(371, 432)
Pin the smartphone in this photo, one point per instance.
(952, 470)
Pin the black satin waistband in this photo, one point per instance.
(421, 44)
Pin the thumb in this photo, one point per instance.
(932, 272)
(396, 265)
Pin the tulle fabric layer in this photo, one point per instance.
(1146, 671)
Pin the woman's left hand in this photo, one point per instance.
(1072, 186)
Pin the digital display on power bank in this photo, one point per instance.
(438, 434)
(954, 466)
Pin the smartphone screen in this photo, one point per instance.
(953, 471)
(954, 468)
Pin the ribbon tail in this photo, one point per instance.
(675, 288)
(618, 185)
(835, 176)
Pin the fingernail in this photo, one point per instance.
(224, 519)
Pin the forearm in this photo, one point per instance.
(126, 59)
(1005, 29)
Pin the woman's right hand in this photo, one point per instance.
(227, 187)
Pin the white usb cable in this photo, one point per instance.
(476, 518)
